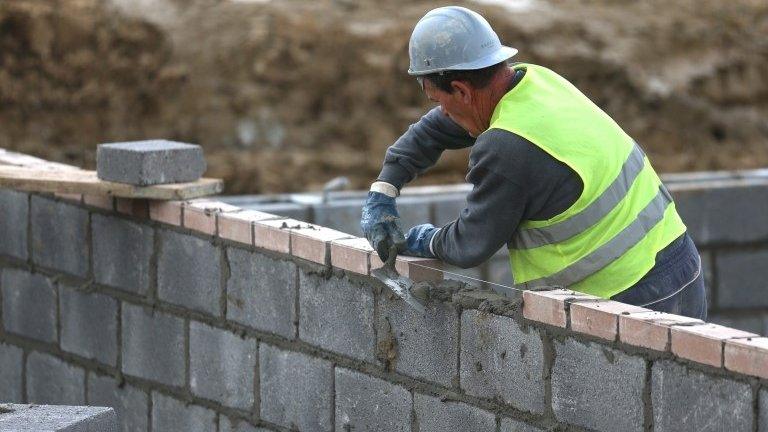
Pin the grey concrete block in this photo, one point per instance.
(424, 345)
(296, 390)
(432, 415)
(491, 347)
(742, 279)
(153, 345)
(11, 369)
(685, 399)
(511, 425)
(222, 366)
(762, 416)
(751, 322)
(189, 272)
(342, 215)
(261, 292)
(228, 425)
(50, 418)
(149, 162)
(365, 403)
(413, 211)
(121, 253)
(59, 236)
(472, 275)
(169, 414)
(301, 212)
(336, 314)
(499, 271)
(88, 325)
(29, 305)
(130, 403)
(13, 224)
(447, 208)
(52, 381)
(597, 387)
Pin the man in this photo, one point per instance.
(571, 195)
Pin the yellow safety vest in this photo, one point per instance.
(608, 239)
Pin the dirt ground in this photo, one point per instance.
(286, 94)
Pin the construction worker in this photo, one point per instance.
(572, 196)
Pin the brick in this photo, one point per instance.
(189, 272)
(703, 343)
(122, 251)
(228, 425)
(11, 369)
(419, 345)
(511, 425)
(149, 162)
(88, 325)
(352, 254)
(296, 389)
(336, 314)
(13, 224)
(29, 305)
(650, 329)
(51, 418)
(238, 226)
(59, 236)
(222, 366)
(365, 403)
(688, 400)
(261, 292)
(52, 381)
(169, 414)
(548, 307)
(274, 234)
(168, 212)
(432, 415)
(419, 269)
(130, 403)
(748, 356)
(105, 202)
(762, 419)
(71, 197)
(200, 215)
(153, 345)
(597, 387)
(600, 318)
(138, 208)
(313, 243)
(491, 347)
(741, 278)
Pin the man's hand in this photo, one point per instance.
(418, 240)
(380, 224)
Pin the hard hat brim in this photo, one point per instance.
(503, 53)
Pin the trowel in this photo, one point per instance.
(400, 285)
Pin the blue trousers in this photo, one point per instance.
(675, 284)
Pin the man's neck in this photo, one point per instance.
(492, 94)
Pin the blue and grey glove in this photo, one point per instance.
(380, 224)
(419, 239)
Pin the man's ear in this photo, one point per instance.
(463, 90)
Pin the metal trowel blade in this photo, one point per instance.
(400, 285)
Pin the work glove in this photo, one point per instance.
(418, 240)
(380, 224)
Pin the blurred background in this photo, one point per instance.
(285, 95)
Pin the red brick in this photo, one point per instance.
(352, 254)
(77, 198)
(748, 356)
(106, 202)
(168, 212)
(274, 234)
(312, 242)
(650, 329)
(419, 269)
(599, 318)
(548, 307)
(200, 215)
(134, 207)
(238, 226)
(703, 343)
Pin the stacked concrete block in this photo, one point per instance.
(121, 253)
(169, 414)
(763, 411)
(51, 380)
(153, 345)
(742, 279)
(49, 418)
(144, 163)
(29, 305)
(59, 236)
(367, 403)
(13, 224)
(434, 415)
(511, 425)
(88, 325)
(130, 404)
(11, 371)
(228, 425)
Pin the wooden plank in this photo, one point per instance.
(86, 182)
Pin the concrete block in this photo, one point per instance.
(749, 322)
(228, 425)
(189, 272)
(703, 343)
(412, 211)
(432, 415)
(130, 403)
(52, 381)
(342, 215)
(511, 425)
(13, 224)
(597, 387)
(742, 279)
(11, 369)
(469, 275)
(286, 209)
(747, 356)
(296, 389)
(122, 251)
(50, 418)
(422, 346)
(88, 325)
(447, 208)
(491, 347)
(365, 403)
(59, 236)
(149, 162)
(169, 414)
(499, 270)
(261, 292)
(153, 345)
(337, 315)
(104, 202)
(762, 419)
(29, 305)
(685, 399)
(221, 366)
(168, 212)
